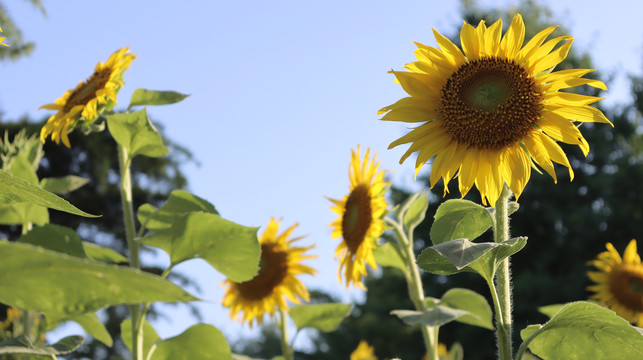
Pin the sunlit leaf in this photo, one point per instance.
(436, 316)
(387, 255)
(201, 341)
(457, 219)
(88, 321)
(322, 317)
(179, 203)
(152, 97)
(22, 345)
(104, 254)
(413, 211)
(477, 307)
(63, 185)
(57, 238)
(135, 132)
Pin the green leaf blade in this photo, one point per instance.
(135, 132)
(150, 337)
(457, 219)
(437, 316)
(200, 341)
(22, 345)
(322, 317)
(152, 97)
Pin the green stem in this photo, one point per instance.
(503, 277)
(414, 282)
(283, 325)
(130, 233)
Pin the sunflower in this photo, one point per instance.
(276, 281)
(619, 282)
(363, 352)
(88, 98)
(490, 111)
(2, 40)
(360, 221)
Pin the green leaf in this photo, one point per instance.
(63, 185)
(179, 203)
(14, 190)
(322, 317)
(135, 132)
(88, 321)
(414, 210)
(456, 219)
(230, 248)
(462, 252)
(387, 254)
(437, 316)
(103, 254)
(22, 345)
(550, 310)
(150, 337)
(583, 330)
(57, 238)
(477, 307)
(152, 97)
(88, 286)
(431, 261)
(19, 214)
(200, 341)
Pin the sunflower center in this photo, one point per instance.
(626, 284)
(86, 91)
(273, 269)
(490, 103)
(357, 217)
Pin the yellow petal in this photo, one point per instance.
(514, 37)
(470, 42)
(580, 114)
(451, 51)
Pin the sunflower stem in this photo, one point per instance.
(503, 277)
(132, 245)
(283, 325)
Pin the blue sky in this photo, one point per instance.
(280, 93)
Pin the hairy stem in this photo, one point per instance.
(503, 277)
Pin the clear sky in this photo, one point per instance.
(280, 93)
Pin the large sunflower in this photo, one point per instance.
(87, 99)
(619, 282)
(360, 221)
(493, 108)
(276, 281)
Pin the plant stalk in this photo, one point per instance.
(283, 325)
(503, 277)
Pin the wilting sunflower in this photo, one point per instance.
(491, 110)
(363, 352)
(619, 282)
(88, 98)
(276, 280)
(360, 221)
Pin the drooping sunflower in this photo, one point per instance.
(276, 281)
(489, 111)
(363, 352)
(360, 221)
(619, 282)
(86, 100)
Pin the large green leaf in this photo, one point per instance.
(14, 190)
(57, 238)
(584, 330)
(551, 310)
(152, 97)
(135, 132)
(37, 279)
(63, 185)
(431, 261)
(456, 219)
(23, 213)
(437, 316)
(477, 307)
(179, 203)
(22, 345)
(462, 252)
(388, 254)
(322, 317)
(230, 248)
(150, 337)
(88, 321)
(201, 341)
(103, 254)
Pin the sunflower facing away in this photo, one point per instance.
(87, 99)
(489, 111)
(363, 352)
(360, 221)
(276, 280)
(619, 282)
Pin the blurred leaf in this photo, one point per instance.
(583, 330)
(57, 238)
(387, 255)
(457, 219)
(88, 286)
(416, 211)
(178, 204)
(152, 97)
(200, 341)
(477, 307)
(135, 132)
(150, 337)
(103, 254)
(23, 213)
(63, 185)
(230, 248)
(550, 310)
(22, 345)
(88, 321)
(437, 316)
(14, 190)
(322, 317)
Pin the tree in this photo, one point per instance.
(18, 46)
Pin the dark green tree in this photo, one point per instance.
(18, 47)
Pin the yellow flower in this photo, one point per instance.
(276, 281)
(363, 352)
(360, 221)
(88, 98)
(490, 110)
(619, 282)
(2, 40)
(13, 313)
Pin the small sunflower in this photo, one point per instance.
(360, 221)
(363, 352)
(2, 40)
(619, 282)
(88, 98)
(489, 111)
(276, 280)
